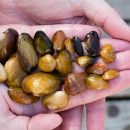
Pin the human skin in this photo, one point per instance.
(73, 12)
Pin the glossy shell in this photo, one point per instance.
(107, 53)
(19, 95)
(92, 43)
(84, 61)
(110, 74)
(47, 63)
(15, 72)
(95, 81)
(3, 73)
(69, 46)
(26, 52)
(97, 68)
(40, 84)
(78, 46)
(63, 62)
(42, 43)
(75, 83)
(56, 101)
(58, 41)
(7, 44)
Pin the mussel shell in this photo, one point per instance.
(15, 72)
(75, 83)
(42, 43)
(85, 61)
(64, 62)
(40, 84)
(110, 74)
(69, 46)
(8, 41)
(97, 68)
(47, 63)
(3, 73)
(19, 95)
(92, 44)
(95, 81)
(26, 51)
(78, 46)
(107, 53)
(58, 40)
(56, 101)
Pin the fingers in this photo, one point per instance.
(44, 122)
(102, 14)
(96, 115)
(70, 30)
(72, 119)
(38, 122)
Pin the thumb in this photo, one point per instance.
(102, 14)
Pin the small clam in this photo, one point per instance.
(84, 61)
(69, 46)
(63, 62)
(58, 41)
(78, 46)
(56, 101)
(95, 81)
(47, 63)
(7, 44)
(97, 68)
(75, 83)
(40, 84)
(15, 72)
(107, 53)
(19, 95)
(110, 74)
(3, 74)
(42, 43)
(92, 43)
(26, 52)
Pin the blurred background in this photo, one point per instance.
(118, 105)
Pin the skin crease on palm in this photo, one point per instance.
(35, 15)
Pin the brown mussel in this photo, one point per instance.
(92, 44)
(75, 83)
(42, 43)
(7, 44)
(97, 68)
(85, 61)
(26, 51)
(69, 46)
(78, 46)
(107, 53)
(64, 62)
(15, 72)
(58, 41)
(56, 101)
(95, 81)
(110, 74)
(41, 84)
(47, 63)
(19, 95)
(3, 73)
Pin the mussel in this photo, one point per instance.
(8, 41)
(75, 83)
(92, 44)
(26, 51)
(41, 84)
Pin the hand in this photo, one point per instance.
(42, 12)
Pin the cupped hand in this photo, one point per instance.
(43, 12)
(22, 113)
